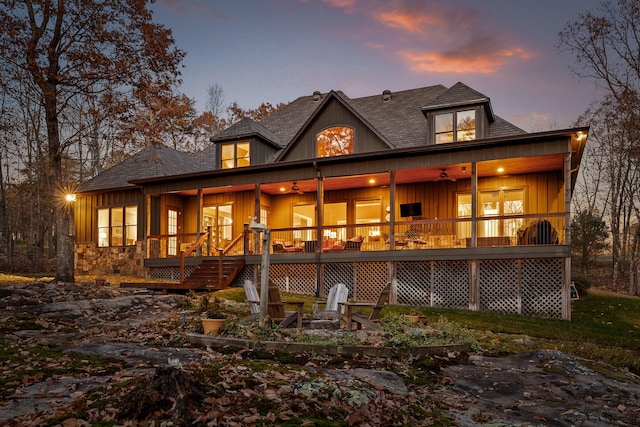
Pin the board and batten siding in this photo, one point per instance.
(334, 114)
(86, 212)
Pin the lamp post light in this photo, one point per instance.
(264, 267)
(70, 200)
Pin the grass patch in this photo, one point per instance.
(604, 327)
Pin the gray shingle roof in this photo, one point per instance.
(150, 162)
(458, 94)
(399, 120)
(286, 122)
(246, 127)
(501, 127)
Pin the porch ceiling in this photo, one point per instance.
(459, 171)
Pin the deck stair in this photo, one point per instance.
(207, 274)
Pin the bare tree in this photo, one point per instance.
(605, 48)
(215, 101)
(605, 45)
(70, 48)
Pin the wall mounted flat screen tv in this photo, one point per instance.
(410, 209)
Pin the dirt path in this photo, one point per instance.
(140, 333)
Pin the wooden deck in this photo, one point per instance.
(164, 286)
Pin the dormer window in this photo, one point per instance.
(335, 141)
(455, 126)
(235, 155)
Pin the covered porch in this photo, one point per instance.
(407, 216)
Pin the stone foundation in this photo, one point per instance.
(126, 260)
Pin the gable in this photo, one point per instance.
(333, 113)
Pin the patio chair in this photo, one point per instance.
(275, 307)
(332, 306)
(371, 321)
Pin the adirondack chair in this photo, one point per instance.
(353, 314)
(332, 308)
(275, 307)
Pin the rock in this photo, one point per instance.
(388, 380)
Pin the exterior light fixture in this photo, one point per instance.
(372, 181)
(70, 198)
(500, 169)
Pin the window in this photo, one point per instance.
(368, 212)
(117, 226)
(464, 211)
(220, 219)
(172, 229)
(235, 155)
(335, 214)
(492, 203)
(455, 126)
(304, 216)
(335, 141)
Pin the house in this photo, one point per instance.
(425, 188)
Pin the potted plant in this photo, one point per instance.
(214, 317)
(416, 317)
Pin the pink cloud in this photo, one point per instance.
(413, 23)
(482, 55)
(348, 6)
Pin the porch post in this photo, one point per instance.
(474, 204)
(474, 289)
(392, 212)
(319, 219)
(256, 215)
(147, 232)
(566, 276)
(199, 222)
(392, 220)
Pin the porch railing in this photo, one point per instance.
(494, 231)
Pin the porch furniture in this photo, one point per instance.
(275, 308)
(353, 313)
(539, 232)
(400, 241)
(353, 244)
(282, 247)
(310, 246)
(483, 242)
(332, 310)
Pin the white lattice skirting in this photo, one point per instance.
(526, 286)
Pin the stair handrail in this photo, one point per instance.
(224, 251)
(183, 254)
(221, 252)
(233, 243)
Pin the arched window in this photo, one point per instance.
(335, 141)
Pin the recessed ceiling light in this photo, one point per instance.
(372, 181)
(282, 189)
(500, 170)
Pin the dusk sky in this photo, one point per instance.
(278, 50)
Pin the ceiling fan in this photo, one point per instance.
(445, 177)
(295, 189)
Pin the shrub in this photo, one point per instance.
(582, 282)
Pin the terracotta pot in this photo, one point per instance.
(416, 318)
(211, 326)
(412, 318)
